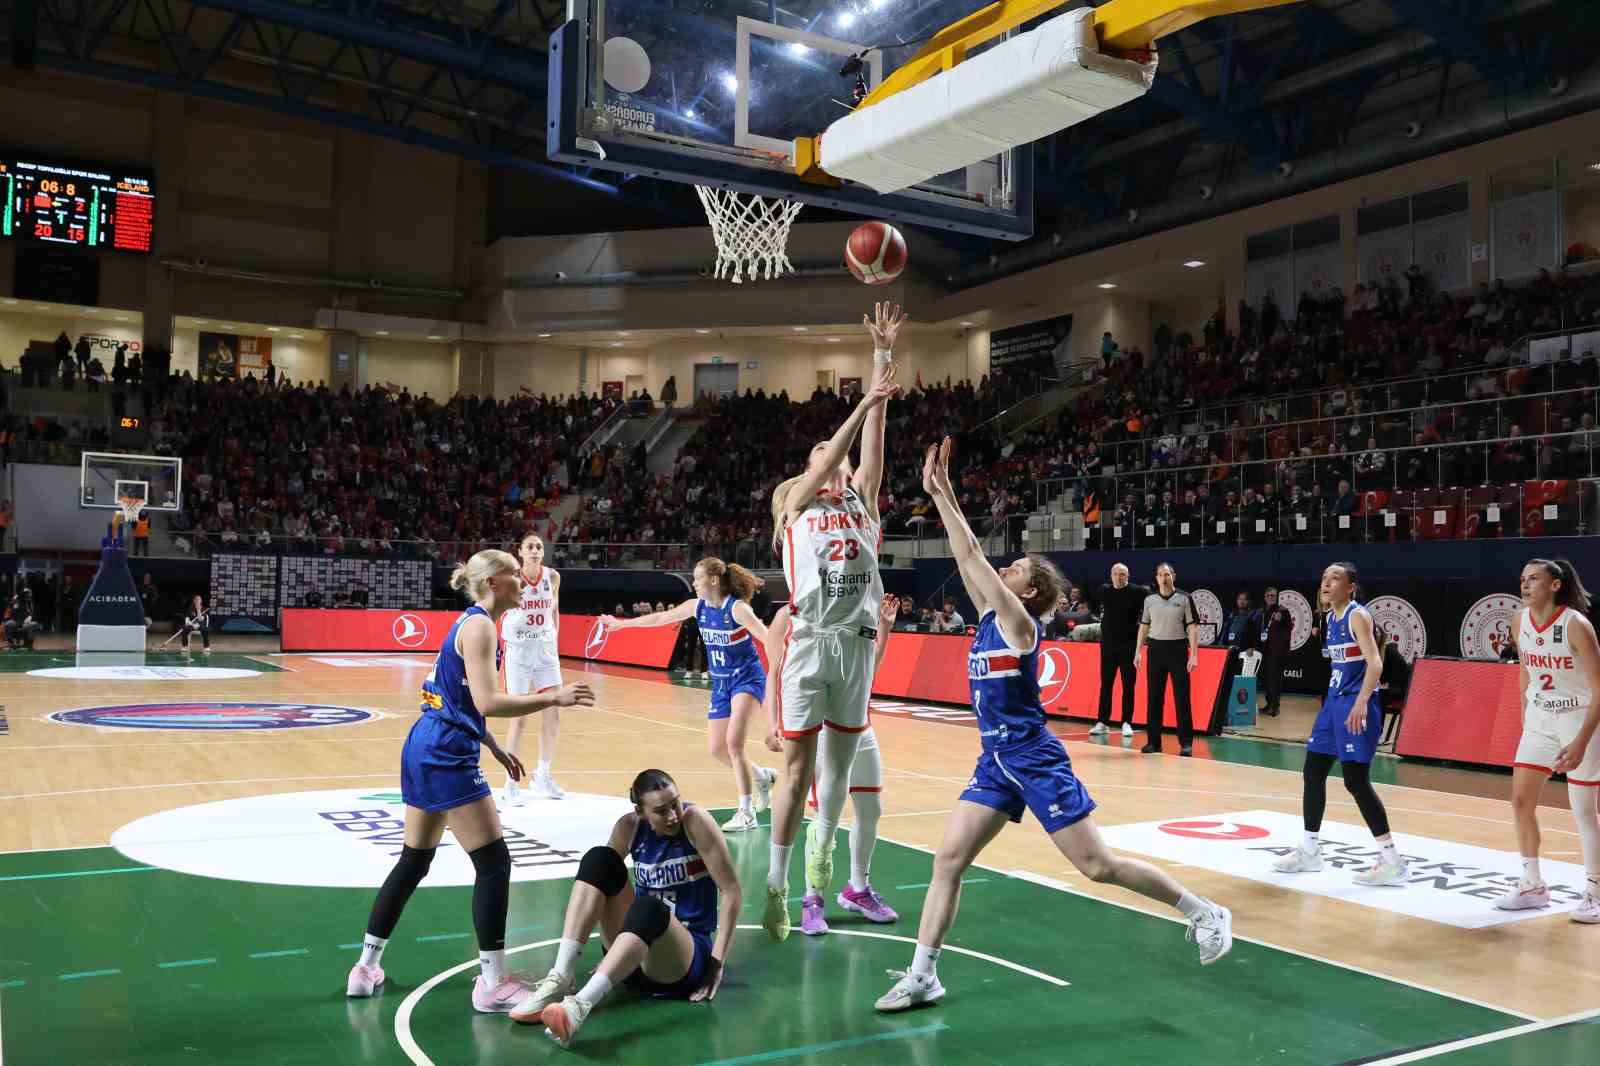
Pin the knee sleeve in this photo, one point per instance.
(416, 861)
(1358, 782)
(492, 859)
(604, 869)
(647, 919)
(396, 890)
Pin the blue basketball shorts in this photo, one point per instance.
(439, 766)
(724, 689)
(686, 985)
(1330, 737)
(1036, 776)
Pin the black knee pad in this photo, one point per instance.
(1357, 777)
(415, 862)
(604, 869)
(492, 860)
(647, 919)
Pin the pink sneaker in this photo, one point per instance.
(505, 995)
(363, 981)
(812, 923)
(867, 903)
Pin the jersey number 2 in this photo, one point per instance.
(1547, 683)
(839, 550)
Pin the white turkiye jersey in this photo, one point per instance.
(530, 627)
(830, 557)
(1555, 680)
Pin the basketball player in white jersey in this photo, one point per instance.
(533, 664)
(1559, 667)
(831, 530)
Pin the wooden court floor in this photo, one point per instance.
(217, 931)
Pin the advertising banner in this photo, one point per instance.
(1469, 712)
(1037, 348)
(580, 635)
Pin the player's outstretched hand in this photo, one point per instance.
(580, 695)
(512, 764)
(936, 469)
(708, 989)
(884, 325)
(884, 389)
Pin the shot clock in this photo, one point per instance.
(79, 205)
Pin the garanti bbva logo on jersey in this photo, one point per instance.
(209, 715)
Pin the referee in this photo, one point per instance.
(1172, 629)
(1121, 607)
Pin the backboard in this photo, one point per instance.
(103, 477)
(707, 94)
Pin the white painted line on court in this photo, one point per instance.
(1423, 1054)
(414, 1052)
(1062, 886)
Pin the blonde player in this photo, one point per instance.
(831, 532)
(866, 789)
(1559, 666)
(533, 664)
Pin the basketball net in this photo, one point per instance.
(130, 506)
(752, 234)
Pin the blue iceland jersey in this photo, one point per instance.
(444, 690)
(1005, 688)
(730, 649)
(1344, 654)
(671, 869)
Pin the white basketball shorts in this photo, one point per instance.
(532, 674)
(1545, 734)
(866, 773)
(827, 677)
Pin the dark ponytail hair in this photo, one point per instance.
(1571, 593)
(648, 781)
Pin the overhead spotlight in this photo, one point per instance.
(1413, 130)
(1207, 192)
(544, 334)
(846, 19)
(1286, 169)
(1107, 285)
(799, 329)
(966, 322)
(1193, 263)
(702, 331)
(798, 48)
(689, 114)
(729, 82)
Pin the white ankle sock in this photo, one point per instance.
(1530, 871)
(1311, 844)
(1191, 905)
(567, 953)
(593, 992)
(1387, 849)
(744, 803)
(494, 967)
(544, 768)
(372, 949)
(778, 866)
(925, 961)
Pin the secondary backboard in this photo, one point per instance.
(103, 477)
(705, 93)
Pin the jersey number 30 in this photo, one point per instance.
(839, 550)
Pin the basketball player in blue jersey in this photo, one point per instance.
(1023, 765)
(732, 634)
(666, 933)
(1346, 732)
(442, 784)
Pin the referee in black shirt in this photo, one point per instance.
(1121, 606)
(1171, 626)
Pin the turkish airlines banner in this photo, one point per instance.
(1462, 711)
(928, 667)
(580, 635)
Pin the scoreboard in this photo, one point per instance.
(84, 206)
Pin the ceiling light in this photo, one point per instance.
(383, 333)
(201, 321)
(965, 322)
(435, 337)
(833, 340)
(616, 344)
(845, 20)
(544, 334)
(729, 82)
(1191, 264)
(799, 329)
(797, 49)
(689, 114)
(229, 327)
(1108, 285)
(702, 331)
(297, 336)
(274, 329)
(122, 318)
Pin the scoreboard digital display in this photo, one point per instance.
(86, 206)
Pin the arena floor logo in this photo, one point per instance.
(1208, 830)
(349, 838)
(1401, 624)
(203, 715)
(1486, 629)
(1055, 670)
(410, 631)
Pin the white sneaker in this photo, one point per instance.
(1300, 861)
(1524, 897)
(764, 780)
(503, 996)
(705, 675)
(1127, 730)
(552, 988)
(563, 1019)
(544, 787)
(363, 981)
(1588, 911)
(1098, 729)
(910, 990)
(1213, 932)
(1384, 874)
(513, 795)
(743, 820)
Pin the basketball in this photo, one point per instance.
(875, 253)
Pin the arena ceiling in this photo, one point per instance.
(1241, 102)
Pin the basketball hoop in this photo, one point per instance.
(752, 234)
(130, 506)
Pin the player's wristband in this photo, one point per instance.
(881, 356)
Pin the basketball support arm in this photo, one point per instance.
(1121, 25)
